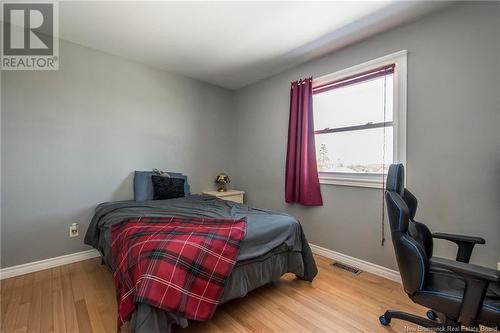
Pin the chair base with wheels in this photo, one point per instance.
(433, 324)
(432, 315)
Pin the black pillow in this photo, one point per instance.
(167, 187)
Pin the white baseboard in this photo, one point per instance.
(358, 263)
(35, 266)
(31, 267)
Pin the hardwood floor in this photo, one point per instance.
(80, 297)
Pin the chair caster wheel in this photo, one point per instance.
(383, 320)
(431, 315)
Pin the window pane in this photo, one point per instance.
(357, 104)
(355, 151)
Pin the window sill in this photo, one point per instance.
(353, 180)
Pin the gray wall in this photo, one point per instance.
(453, 150)
(70, 139)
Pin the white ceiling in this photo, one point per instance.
(230, 44)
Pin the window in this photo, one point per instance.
(360, 121)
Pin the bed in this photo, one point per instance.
(274, 244)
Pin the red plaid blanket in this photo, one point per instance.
(175, 264)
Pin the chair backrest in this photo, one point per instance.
(412, 259)
(417, 230)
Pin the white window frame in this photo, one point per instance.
(373, 180)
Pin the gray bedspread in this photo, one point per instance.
(273, 245)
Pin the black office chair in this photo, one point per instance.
(419, 231)
(460, 293)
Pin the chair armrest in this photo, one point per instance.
(458, 238)
(465, 244)
(467, 270)
(477, 279)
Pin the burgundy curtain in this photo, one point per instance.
(301, 182)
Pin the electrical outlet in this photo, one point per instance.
(74, 230)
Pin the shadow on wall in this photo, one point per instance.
(125, 190)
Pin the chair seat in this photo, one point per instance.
(443, 292)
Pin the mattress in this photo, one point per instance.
(274, 244)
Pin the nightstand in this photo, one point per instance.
(230, 195)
